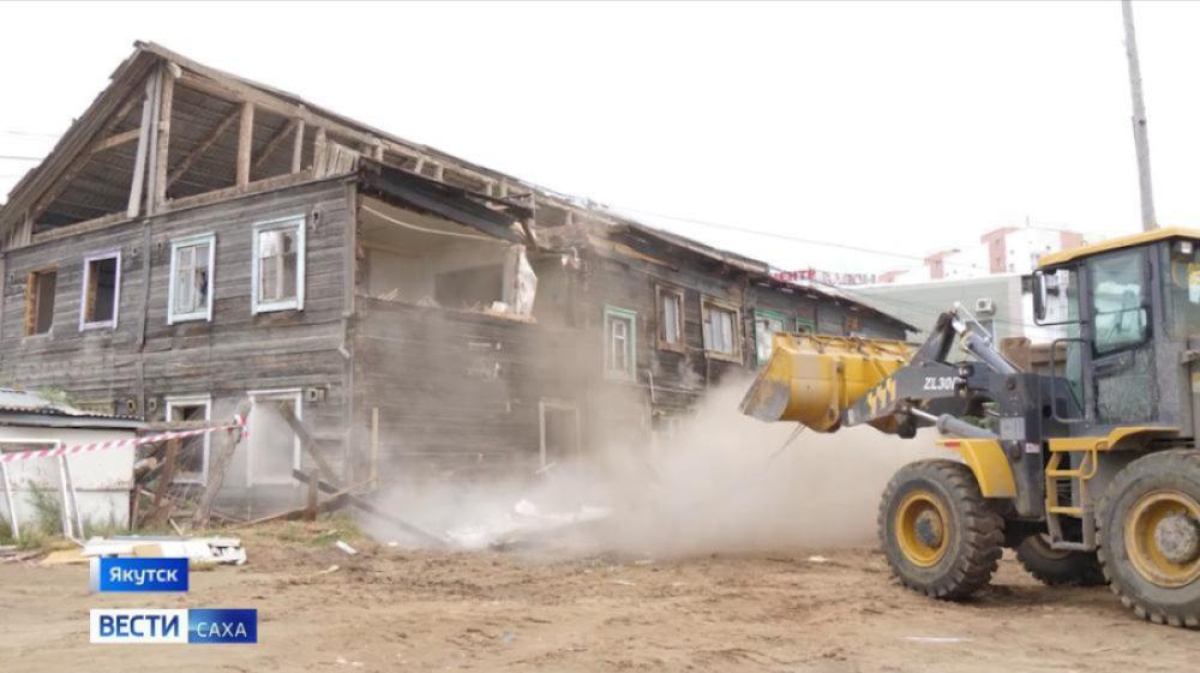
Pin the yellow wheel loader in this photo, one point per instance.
(1088, 466)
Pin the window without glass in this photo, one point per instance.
(1118, 300)
(721, 336)
(806, 326)
(191, 463)
(279, 266)
(670, 318)
(620, 347)
(101, 291)
(192, 263)
(39, 301)
(766, 324)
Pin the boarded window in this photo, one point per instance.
(192, 262)
(670, 318)
(279, 266)
(620, 347)
(101, 291)
(39, 301)
(721, 334)
(191, 463)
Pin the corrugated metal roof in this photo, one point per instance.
(14, 401)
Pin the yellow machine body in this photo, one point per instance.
(812, 379)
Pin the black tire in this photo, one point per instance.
(968, 549)
(1176, 600)
(1054, 568)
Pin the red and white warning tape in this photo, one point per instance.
(238, 422)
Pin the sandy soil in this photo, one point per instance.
(390, 610)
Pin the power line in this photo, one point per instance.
(30, 134)
(17, 157)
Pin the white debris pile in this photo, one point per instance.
(524, 521)
(215, 550)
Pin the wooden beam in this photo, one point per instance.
(318, 166)
(273, 144)
(245, 144)
(298, 147)
(143, 151)
(370, 508)
(266, 184)
(184, 164)
(116, 140)
(225, 443)
(162, 141)
(306, 442)
(56, 188)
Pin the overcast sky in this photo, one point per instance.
(899, 127)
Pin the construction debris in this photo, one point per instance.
(523, 524)
(202, 550)
(346, 548)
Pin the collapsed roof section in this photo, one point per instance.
(170, 133)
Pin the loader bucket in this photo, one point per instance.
(812, 379)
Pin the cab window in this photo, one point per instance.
(1118, 289)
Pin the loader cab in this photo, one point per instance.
(1129, 323)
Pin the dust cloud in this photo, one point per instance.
(723, 483)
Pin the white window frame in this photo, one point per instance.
(298, 222)
(296, 397)
(194, 401)
(207, 312)
(87, 281)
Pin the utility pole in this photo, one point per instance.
(1141, 140)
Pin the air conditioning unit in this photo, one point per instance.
(985, 306)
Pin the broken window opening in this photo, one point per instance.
(278, 266)
(559, 436)
(192, 263)
(428, 261)
(101, 291)
(191, 463)
(766, 325)
(721, 335)
(39, 301)
(620, 353)
(670, 318)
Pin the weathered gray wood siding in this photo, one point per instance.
(235, 353)
(457, 392)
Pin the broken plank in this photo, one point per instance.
(370, 508)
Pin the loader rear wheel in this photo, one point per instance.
(1149, 537)
(1055, 567)
(940, 536)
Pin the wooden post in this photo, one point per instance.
(158, 193)
(225, 444)
(319, 153)
(1141, 138)
(161, 511)
(298, 147)
(143, 148)
(245, 144)
(374, 447)
(310, 513)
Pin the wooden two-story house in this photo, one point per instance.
(196, 238)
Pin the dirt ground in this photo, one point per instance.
(392, 610)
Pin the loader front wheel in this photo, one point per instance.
(1054, 567)
(940, 536)
(1149, 537)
